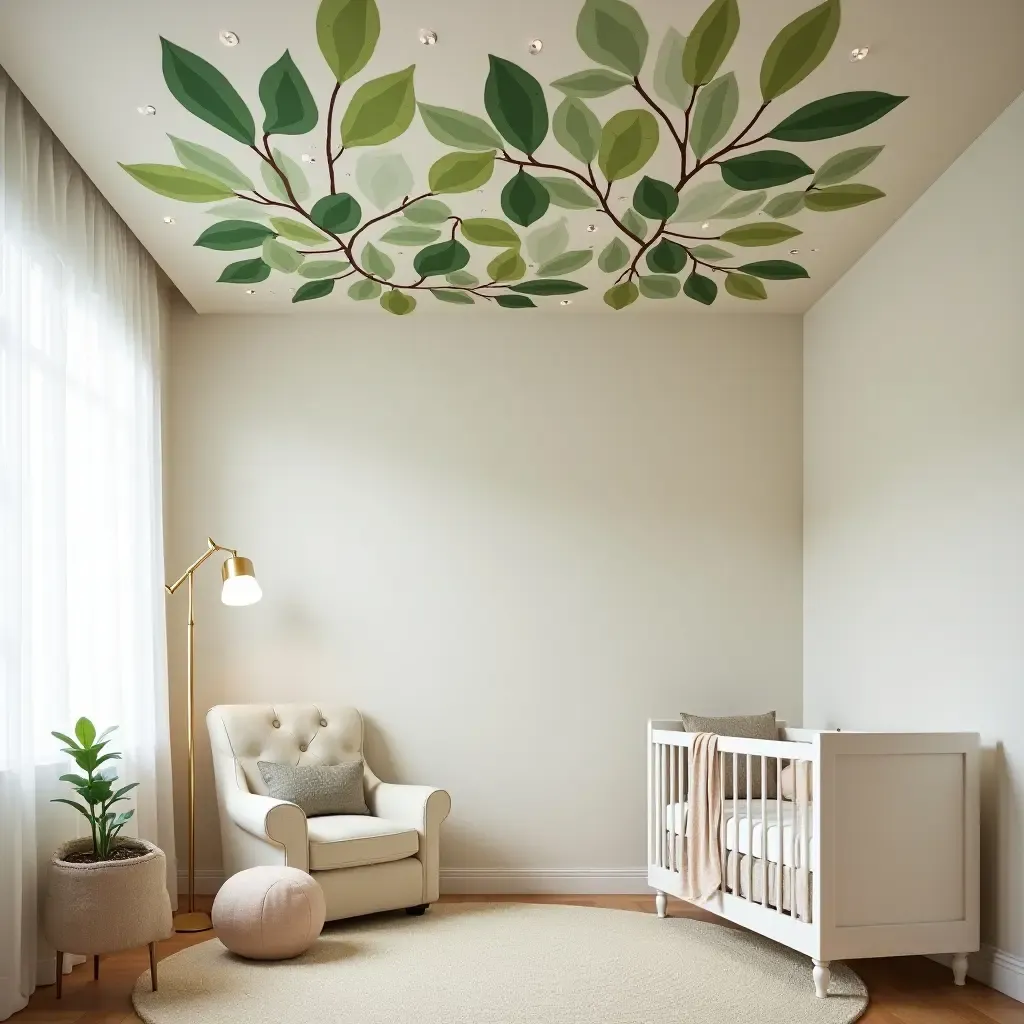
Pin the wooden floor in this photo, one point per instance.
(908, 990)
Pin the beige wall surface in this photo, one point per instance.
(508, 540)
(914, 492)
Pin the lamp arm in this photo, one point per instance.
(211, 547)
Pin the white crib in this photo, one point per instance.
(876, 854)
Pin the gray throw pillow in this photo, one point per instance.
(756, 727)
(318, 789)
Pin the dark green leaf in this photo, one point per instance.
(713, 113)
(614, 256)
(380, 110)
(841, 197)
(566, 263)
(741, 286)
(64, 738)
(457, 298)
(760, 234)
(365, 289)
(75, 780)
(245, 272)
(313, 290)
(798, 49)
(785, 205)
(427, 211)
(524, 199)
(621, 295)
(628, 140)
(288, 103)
(701, 288)
(568, 194)
(669, 82)
(442, 258)
(460, 172)
(515, 103)
(124, 789)
(178, 183)
(835, 115)
(845, 165)
(655, 199)
(279, 256)
(659, 286)
(764, 169)
(397, 302)
(377, 262)
(316, 269)
(612, 33)
(104, 758)
(458, 129)
(591, 83)
(710, 41)
(347, 32)
(410, 234)
(71, 803)
(775, 270)
(515, 301)
(576, 128)
(209, 162)
(666, 257)
(85, 731)
(548, 286)
(234, 234)
(506, 266)
(489, 231)
(337, 213)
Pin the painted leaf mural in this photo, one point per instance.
(640, 170)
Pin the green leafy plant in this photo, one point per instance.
(326, 236)
(96, 785)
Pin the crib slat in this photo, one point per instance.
(673, 798)
(722, 823)
(659, 804)
(681, 788)
(764, 831)
(804, 798)
(750, 831)
(778, 821)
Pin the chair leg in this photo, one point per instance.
(661, 904)
(417, 911)
(822, 976)
(960, 969)
(60, 973)
(152, 964)
(96, 967)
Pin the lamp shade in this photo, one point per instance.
(240, 586)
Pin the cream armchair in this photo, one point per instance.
(385, 861)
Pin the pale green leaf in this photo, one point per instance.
(279, 256)
(546, 243)
(613, 34)
(566, 263)
(383, 178)
(714, 113)
(458, 129)
(669, 82)
(377, 262)
(568, 193)
(576, 129)
(211, 163)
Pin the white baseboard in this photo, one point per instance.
(570, 881)
(996, 968)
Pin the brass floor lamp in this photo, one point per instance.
(240, 588)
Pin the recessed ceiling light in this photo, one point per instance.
(815, 250)
(147, 111)
(793, 252)
(566, 302)
(428, 37)
(308, 159)
(228, 38)
(168, 220)
(859, 53)
(705, 225)
(536, 45)
(250, 291)
(591, 228)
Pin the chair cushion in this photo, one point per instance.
(348, 841)
(318, 789)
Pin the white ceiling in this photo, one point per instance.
(87, 67)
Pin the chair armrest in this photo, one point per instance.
(272, 821)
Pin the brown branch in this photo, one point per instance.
(735, 144)
(680, 142)
(327, 143)
(695, 238)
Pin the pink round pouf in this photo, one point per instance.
(269, 913)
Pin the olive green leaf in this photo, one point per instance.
(612, 33)
(515, 104)
(835, 169)
(614, 256)
(297, 231)
(442, 258)
(568, 194)
(713, 113)
(245, 272)
(764, 169)
(655, 199)
(365, 289)
(701, 288)
(489, 231)
(383, 177)
(410, 234)
(785, 205)
(234, 234)
(178, 183)
(576, 128)
(768, 233)
(458, 129)
(741, 286)
(835, 115)
(322, 268)
(669, 81)
(590, 84)
(450, 295)
(506, 266)
(659, 286)
(313, 290)
(632, 221)
(202, 90)
(209, 162)
(701, 202)
(567, 263)
(336, 213)
(347, 32)
(666, 257)
(380, 110)
(515, 301)
(377, 262)
(397, 302)
(238, 209)
(621, 295)
(798, 49)
(279, 256)
(460, 172)
(548, 287)
(524, 199)
(628, 140)
(742, 206)
(775, 270)
(463, 278)
(546, 243)
(287, 102)
(710, 41)
(841, 197)
(709, 253)
(427, 211)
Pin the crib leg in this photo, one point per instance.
(661, 904)
(822, 976)
(960, 969)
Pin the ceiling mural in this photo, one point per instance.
(676, 99)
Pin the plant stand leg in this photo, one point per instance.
(152, 964)
(661, 904)
(60, 973)
(960, 969)
(822, 976)
(96, 967)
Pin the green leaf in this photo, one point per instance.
(701, 288)
(567, 263)
(202, 90)
(655, 199)
(845, 165)
(612, 33)
(760, 234)
(178, 183)
(489, 231)
(576, 128)
(463, 278)
(455, 297)
(279, 256)
(632, 221)
(621, 295)
(377, 262)
(292, 171)
(742, 286)
(568, 194)
(701, 202)
(295, 231)
(64, 738)
(313, 290)
(380, 110)
(209, 162)
(442, 258)
(397, 302)
(410, 234)
(548, 286)
(383, 177)
(546, 243)
(714, 113)
(710, 41)
(742, 207)
(347, 32)
(709, 253)
(515, 302)
(121, 792)
(238, 209)
(614, 256)
(71, 803)
(775, 270)
(315, 269)
(659, 286)
(515, 103)
(337, 213)
(764, 169)
(835, 115)
(75, 780)
(460, 172)
(365, 289)
(458, 129)
(666, 257)
(427, 211)
(785, 205)
(841, 197)
(669, 82)
(85, 732)
(798, 49)
(274, 182)
(628, 140)
(124, 817)
(234, 234)
(524, 199)
(289, 105)
(506, 266)
(589, 84)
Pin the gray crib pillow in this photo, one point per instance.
(318, 789)
(755, 727)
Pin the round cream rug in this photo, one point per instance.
(506, 963)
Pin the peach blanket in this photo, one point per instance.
(702, 857)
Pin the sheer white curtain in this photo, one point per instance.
(81, 551)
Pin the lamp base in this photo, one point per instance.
(197, 921)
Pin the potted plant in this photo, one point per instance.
(106, 892)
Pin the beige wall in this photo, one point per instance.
(914, 501)
(509, 539)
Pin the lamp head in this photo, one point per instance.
(240, 586)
